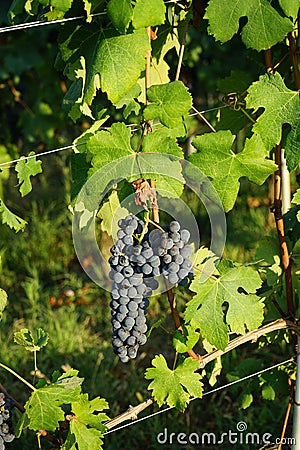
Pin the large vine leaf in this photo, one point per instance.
(174, 387)
(44, 407)
(235, 287)
(218, 162)
(86, 426)
(146, 14)
(25, 169)
(120, 61)
(264, 28)
(111, 145)
(112, 64)
(169, 102)
(25, 338)
(282, 106)
(12, 220)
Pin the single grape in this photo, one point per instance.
(174, 226)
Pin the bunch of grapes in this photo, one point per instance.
(137, 257)
(5, 421)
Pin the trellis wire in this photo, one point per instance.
(40, 23)
(67, 147)
(247, 377)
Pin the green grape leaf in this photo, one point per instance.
(112, 64)
(86, 414)
(11, 219)
(25, 169)
(169, 102)
(174, 387)
(3, 301)
(88, 411)
(146, 14)
(264, 28)
(25, 338)
(290, 7)
(218, 162)
(120, 13)
(184, 342)
(281, 106)
(43, 408)
(110, 212)
(163, 141)
(235, 286)
(120, 61)
(80, 142)
(106, 146)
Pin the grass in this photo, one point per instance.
(47, 288)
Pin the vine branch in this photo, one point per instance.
(251, 336)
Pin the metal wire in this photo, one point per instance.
(220, 388)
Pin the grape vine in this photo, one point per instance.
(134, 108)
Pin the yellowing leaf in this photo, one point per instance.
(290, 7)
(112, 144)
(43, 408)
(120, 61)
(27, 168)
